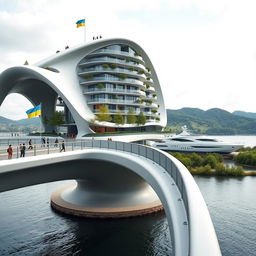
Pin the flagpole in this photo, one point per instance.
(41, 117)
(85, 32)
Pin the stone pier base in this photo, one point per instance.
(61, 205)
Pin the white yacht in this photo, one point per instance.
(185, 142)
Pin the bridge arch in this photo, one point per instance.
(189, 221)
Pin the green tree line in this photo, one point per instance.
(207, 164)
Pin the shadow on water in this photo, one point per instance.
(146, 235)
(30, 227)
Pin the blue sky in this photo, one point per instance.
(204, 51)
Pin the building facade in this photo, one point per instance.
(103, 86)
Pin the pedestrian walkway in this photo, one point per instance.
(39, 149)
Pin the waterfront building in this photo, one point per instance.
(103, 86)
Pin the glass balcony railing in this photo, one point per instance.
(115, 111)
(106, 78)
(112, 60)
(114, 70)
(119, 53)
(114, 90)
(120, 101)
(152, 89)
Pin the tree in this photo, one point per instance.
(56, 119)
(131, 117)
(26, 63)
(141, 119)
(118, 118)
(103, 115)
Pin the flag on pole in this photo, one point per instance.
(33, 112)
(80, 23)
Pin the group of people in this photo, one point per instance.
(22, 147)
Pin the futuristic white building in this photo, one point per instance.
(114, 73)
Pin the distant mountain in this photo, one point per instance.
(23, 125)
(213, 121)
(4, 120)
(245, 114)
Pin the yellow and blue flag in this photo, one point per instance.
(80, 23)
(33, 112)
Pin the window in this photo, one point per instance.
(181, 140)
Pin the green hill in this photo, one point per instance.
(213, 121)
(23, 125)
(245, 114)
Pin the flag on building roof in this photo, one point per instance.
(33, 112)
(80, 23)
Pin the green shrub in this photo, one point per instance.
(210, 160)
(202, 170)
(105, 65)
(122, 76)
(113, 65)
(100, 86)
(141, 72)
(88, 76)
(246, 158)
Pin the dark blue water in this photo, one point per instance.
(28, 225)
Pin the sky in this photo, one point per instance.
(204, 51)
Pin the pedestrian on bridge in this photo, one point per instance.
(62, 146)
(56, 143)
(22, 150)
(9, 151)
(30, 144)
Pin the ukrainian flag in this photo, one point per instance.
(80, 23)
(33, 112)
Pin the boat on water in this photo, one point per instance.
(187, 143)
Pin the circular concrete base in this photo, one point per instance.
(63, 206)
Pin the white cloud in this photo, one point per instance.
(204, 51)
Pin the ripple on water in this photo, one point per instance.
(30, 227)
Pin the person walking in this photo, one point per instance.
(62, 146)
(47, 141)
(56, 143)
(9, 151)
(30, 144)
(22, 150)
(43, 141)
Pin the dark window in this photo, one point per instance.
(181, 140)
(207, 140)
(204, 147)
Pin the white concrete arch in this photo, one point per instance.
(18, 79)
(65, 83)
(189, 221)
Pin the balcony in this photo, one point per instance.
(113, 90)
(115, 111)
(115, 101)
(112, 70)
(116, 52)
(150, 89)
(113, 79)
(102, 60)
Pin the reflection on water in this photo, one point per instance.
(30, 227)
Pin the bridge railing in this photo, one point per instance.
(202, 235)
(155, 155)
